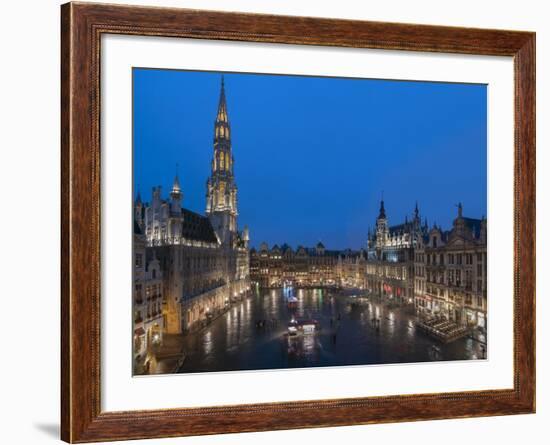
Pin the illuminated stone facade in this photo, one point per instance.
(147, 298)
(352, 269)
(390, 265)
(451, 272)
(307, 267)
(204, 259)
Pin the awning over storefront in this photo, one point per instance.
(139, 332)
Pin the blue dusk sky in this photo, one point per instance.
(313, 155)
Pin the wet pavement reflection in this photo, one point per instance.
(352, 331)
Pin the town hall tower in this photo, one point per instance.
(221, 190)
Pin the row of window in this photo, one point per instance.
(452, 258)
(191, 288)
(150, 291)
(468, 300)
(153, 311)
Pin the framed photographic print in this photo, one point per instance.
(279, 222)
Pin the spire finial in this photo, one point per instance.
(382, 209)
(459, 205)
(176, 186)
(222, 106)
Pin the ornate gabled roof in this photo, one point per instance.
(354, 254)
(313, 251)
(286, 248)
(474, 225)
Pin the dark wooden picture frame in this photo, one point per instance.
(82, 25)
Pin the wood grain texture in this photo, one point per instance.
(81, 28)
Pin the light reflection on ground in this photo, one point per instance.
(349, 335)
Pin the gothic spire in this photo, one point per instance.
(221, 190)
(222, 105)
(221, 125)
(382, 210)
(176, 186)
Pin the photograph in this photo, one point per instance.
(277, 221)
(283, 221)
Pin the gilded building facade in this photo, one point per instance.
(307, 266)
(204, 259)
(451, 266)
(352, 269)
